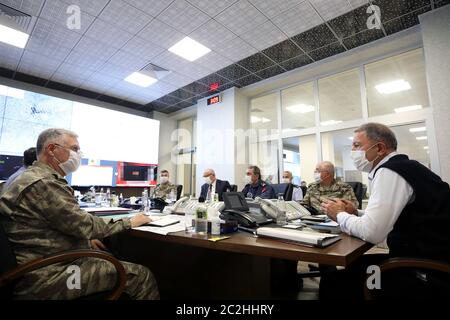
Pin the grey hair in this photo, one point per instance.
(52, 135)
(328, 167)
(210, 171)
(379, 132)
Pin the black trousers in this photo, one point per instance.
(407, 283)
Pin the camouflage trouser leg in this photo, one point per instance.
(96, 275)
(100, 275)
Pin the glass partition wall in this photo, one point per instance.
(314, 120)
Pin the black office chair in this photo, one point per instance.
(428, 288)
(179, 190)
(280, 188)
(11, 273)
(304, 189)
(288, 192)
(233, 188)
(359, 192)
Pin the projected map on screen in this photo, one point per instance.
(107, 138)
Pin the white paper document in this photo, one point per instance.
(168, 224)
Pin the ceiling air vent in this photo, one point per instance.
(16, 19)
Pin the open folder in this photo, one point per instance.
(314, 239)
(163, 222)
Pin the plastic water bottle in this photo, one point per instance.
(201, 219)
(172, 196)
(281, 205)
(108, 197)
(144, 199)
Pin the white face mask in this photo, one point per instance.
(248, 179)
(286, 180)
(208, 180)
(164, 179)
(72, 164)
(360, 160)
(317, 177)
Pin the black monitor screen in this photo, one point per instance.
(135, 173)
(235, 201)
(9, 165)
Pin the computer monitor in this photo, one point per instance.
(235, 201)
(9, 164)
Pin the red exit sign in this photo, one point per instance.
(213, 100)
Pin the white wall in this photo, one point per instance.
(167, 126)
(215, 138)
(436, 42)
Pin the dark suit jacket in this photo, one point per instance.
(221, 187)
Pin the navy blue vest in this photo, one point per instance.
(423, 227)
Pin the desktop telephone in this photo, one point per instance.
(184, 204)
(246, 219)
(236, 208)
(294, 210)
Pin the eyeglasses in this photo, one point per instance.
(74, 149)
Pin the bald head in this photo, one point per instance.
(209, 173)
(326, 170)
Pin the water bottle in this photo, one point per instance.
(281, 216)
(172, 196)
(144, 199)
(120, 198)
(201, 219)
(108, 198)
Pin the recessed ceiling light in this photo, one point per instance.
(13, 37)
(330, 122)
(422, 138)
(393, 86)
(408, 108)
(189, 49)
(140, 79)
(264, 120)
(418, 129)
(426, 147)
(254, 119)
(350, 138)
(301, 108)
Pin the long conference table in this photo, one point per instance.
(189, 266)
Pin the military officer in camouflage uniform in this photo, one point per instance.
(41, 216)
(165, 187)
(326, 187)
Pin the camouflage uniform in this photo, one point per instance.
(317, 193)
(41, 217)
(163, 189)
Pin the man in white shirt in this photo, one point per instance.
(408, 205)
(297, 193)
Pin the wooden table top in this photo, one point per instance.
(341, 253)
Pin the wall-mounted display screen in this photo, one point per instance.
(107, 138)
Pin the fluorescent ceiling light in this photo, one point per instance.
(350, 138)
(393, 86)
(426, 147)
(264, 120)
(408, 108)
(11, 92)
(422, 138)
(418, 129)
(301, 108)
(330, 122)
(13, 37)
(254, 119)
(140, 79)
(189, 49)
